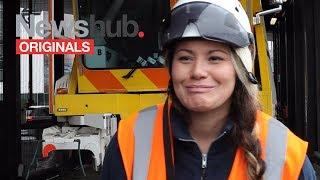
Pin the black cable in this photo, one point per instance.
(79, 154)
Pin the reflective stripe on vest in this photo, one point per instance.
(275, 149)
(143, 132)
(282, 151)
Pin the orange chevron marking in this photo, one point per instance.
(111, 83)
(159, 76)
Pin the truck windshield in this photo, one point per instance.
(125, 32)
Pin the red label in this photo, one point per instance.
(54, 46)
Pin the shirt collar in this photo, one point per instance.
(180, 129)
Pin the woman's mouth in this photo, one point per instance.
(199, 88)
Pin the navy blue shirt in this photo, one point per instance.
(190, 163)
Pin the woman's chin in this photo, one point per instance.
(199, 107)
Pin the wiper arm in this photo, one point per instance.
(140, 62)
(129, 74)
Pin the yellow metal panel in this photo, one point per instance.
(138, 82)
(149, 99)
(67, 105)
(264, 63)
(266, 102)
(127, 104)
(263, 58)
(256, 6)
(123, 104)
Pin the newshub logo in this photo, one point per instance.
(79, 28)
(41, 31)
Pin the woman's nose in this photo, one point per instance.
(198, 70)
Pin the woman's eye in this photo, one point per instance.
(184, 58)
(215, 58)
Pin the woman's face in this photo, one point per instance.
(203, 75)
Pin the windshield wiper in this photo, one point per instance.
(129, 74)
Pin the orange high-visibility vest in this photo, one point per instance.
(141, 146)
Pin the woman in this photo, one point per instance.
(210, 127)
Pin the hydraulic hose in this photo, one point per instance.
(79, 154)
